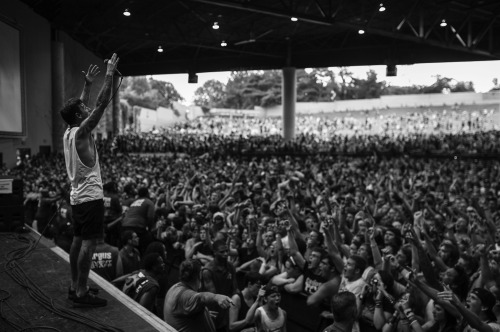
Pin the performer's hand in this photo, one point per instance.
(112, 63)
(91, 74)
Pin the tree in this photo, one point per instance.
(139, 91)
(212, 94)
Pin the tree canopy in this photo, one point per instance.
(148, 93)
(247, 89)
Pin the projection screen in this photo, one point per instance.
(12, 112)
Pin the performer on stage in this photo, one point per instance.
(86, 198)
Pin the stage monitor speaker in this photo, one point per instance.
(11, 191)
(11, 218)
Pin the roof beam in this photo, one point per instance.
(346, 25)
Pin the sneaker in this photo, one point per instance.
(89, 300)
(72, 293)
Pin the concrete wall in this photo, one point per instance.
(384, 102)
(36, 44)
(166, 117)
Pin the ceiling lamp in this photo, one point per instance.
(160, 49)
(294, 19)
(215, 26)
(126, 12)
(361, 32)
(443, 23)
(223, 44)
(381, 8)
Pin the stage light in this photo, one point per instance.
(223, 44)
(160, 49)
(294, 19)
(361, 32)
(126, 12)
(381, 8)
(215, 26)
(443, 23)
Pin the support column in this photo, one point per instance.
(116, 108)
(58, 124)
(288, 99)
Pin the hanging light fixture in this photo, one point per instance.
(215, 26)
(294, 19)
(361, 32)
(381, 8)
(160, 49)
(223, 43)
(126, 12)
(443, 23)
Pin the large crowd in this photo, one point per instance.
(414, 237)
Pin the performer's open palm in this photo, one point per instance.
(91, 73)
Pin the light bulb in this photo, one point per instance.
(160, 49)
(381, 8)
(223, 44)
(215, 26)
(361, 32)
(443, 23)
(294, 19)
(126, 12)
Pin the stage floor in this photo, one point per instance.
(47, 266)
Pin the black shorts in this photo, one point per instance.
(89, 219)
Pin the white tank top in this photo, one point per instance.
(86, 183)
(270, 325)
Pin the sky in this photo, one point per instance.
(481, 73)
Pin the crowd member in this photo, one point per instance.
(143, 285)
(219, 277)
(270, 317)
(185, 308)
(63, 230)
(112, 213)
(82, 163)
(344, 310)
(130, 257)
(242, 312)
(139, 218)
(106, 261)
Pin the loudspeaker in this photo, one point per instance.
(11, 191)
(11, 218)
(391, 70)
(192, 78)
(11, 204)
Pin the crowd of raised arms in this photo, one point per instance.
(406, 217)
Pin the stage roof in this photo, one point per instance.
(260, 34)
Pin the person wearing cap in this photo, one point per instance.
(478, 314)
(270, 317)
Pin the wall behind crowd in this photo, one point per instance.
(37, 49)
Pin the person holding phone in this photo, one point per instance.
(245, 302)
